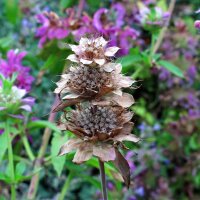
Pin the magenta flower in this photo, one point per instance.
(52, 27)
(114, 29)
(13, 65)
(197, 24)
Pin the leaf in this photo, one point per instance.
(128, 61)
(5, 42)
(67, 3)
(123, 166)
(58, 161)
(3, 145)
(193, 142)
(43, 124)
(20, 169)
(12, 10)
(171, 67)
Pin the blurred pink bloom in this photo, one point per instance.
(52, 27)
(13, 65)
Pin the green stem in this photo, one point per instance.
(66, 186)
(28, 148)
(11, 161)
(103, 179)
(137, 72)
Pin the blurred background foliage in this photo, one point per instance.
(165, 164)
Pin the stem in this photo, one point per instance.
(66, 186)
(103, 179)
(80, 8)
(28, 148)
(11, 161)
(38, 162)
(164, 29)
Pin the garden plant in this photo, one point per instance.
(99, 100)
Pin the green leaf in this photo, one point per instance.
(67, 3)
(171, 67)
(141, 111)
(43, 124)
(5, 42)
(12, 10)
(20, 169)
(128, 61)
(3, 145)
(58, 161)
(193, 142)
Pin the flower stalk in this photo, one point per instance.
(103, 179)
(11, 160)
(101, 120)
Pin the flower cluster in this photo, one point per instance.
(12, 99)
(12, 65)
(110, 23)
(101, 120)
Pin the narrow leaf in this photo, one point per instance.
(171, 67)
(123, 166)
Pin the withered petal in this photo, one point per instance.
(126, 100)
(100, 61)
(122, 165)
(84, 153)
(68, 102)
(111, 51)
(105, 152)
(69, 146)
(72, 58)
(127, 116)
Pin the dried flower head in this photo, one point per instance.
(100, 131)
(88, 83)
(92, 51)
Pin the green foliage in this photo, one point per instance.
(58, 162)
(171, 67)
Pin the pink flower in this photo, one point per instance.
(52, 27)
(13, 65)
(197, 24)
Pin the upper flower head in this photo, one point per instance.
(89, 83)
(100, 131)
(52, 27)
(92, 51)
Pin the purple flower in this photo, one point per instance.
(120, 11)
(191, 73)
(129, 158)
(13, 65)
(140, 191)
(1, 131)
(197, 24)
(110, 186)
(52, 27)
(98, 23)
(85, 27)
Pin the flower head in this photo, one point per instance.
(100, 130)
(13, 65)
(12, 98)
(52, 27)
(89, 83)
(92, 51)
